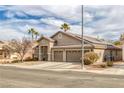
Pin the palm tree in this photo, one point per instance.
(36, 34)
(65, 27)
(122, 37)
(33, 33)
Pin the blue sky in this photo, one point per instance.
(15, 20)
(103, 21)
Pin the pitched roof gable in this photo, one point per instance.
(86, 38)
(48, 38)
(66, 34)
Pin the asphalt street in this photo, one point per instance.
(13, 77)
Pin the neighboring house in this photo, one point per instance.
(66, 47)
(4, 54)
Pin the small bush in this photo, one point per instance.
(87, 61)
(15, 61)
(90, 58)
(31, 59)
(109, 63)
(28, 59)
(35, 59)
(103, 65)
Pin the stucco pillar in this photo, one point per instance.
(49, 56)
(100, 54)
(64, 55)
(3, 54)
(39, 53)
(123, 52)
(52, 56)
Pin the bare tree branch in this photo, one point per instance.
(20, 47)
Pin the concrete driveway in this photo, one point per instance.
(47, 65)
(117, 69)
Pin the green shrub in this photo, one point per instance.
(90, 58)
(109, 63)
(87, 61)
(15, 61)
(31, 59)
(103, 65)
(28, 59)
(35, 59)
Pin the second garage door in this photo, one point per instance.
(73, 56)
(58, 56)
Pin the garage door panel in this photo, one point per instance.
(58, 56)
(73, 56)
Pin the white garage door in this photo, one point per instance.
(73, 56)
(58, 56)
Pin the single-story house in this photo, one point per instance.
(66, 47)
(4, 53)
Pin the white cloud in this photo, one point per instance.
(87, 17)
(52, 21)
(67, 12)
(8, 34)
(76, 29)
(107, 21)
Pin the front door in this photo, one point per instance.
(44, 50)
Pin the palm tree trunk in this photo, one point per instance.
(32, 37)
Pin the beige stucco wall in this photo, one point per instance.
(45, 42)
(100, 53)
(99, 46)
(116, 53)
(65, 40)
(120, 55)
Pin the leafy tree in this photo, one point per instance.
(122, 37)
(117, 43)
(65, 27)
